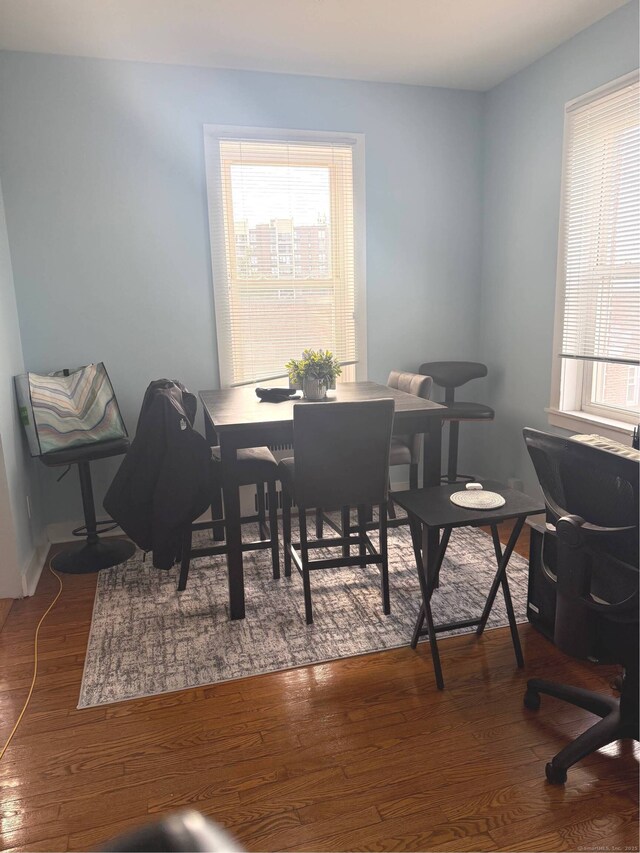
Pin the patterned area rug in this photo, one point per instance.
(146, 638)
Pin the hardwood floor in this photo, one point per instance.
(5, 607)
(358, 754)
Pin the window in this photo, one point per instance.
(597, 337)
(286, 219)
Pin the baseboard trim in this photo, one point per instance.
(36, 564)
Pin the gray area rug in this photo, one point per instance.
(146, 638)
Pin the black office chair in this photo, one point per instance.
(341, 461)
(451, 375)
(592, 504)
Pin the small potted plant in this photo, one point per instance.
(295, 375)
(315, 372)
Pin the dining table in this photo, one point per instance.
(236, 418)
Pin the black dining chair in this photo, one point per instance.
(451, 375)
(341, 461)
(255, 465)
(405, 449)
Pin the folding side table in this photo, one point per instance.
(431, 510)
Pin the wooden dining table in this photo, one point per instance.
(236, 418)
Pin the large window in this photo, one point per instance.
(286, 222)
(597, 340)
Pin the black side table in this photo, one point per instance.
(430, 509)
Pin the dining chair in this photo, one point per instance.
(405, 449)
(341, 461)
(255, 465)
(451, 375)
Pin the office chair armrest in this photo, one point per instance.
(572, 530)
(627, 605)
(605, 565)
(572, 535)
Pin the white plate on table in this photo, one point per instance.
(477, 499)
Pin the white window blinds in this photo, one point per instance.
(282, 227)
(600, 236)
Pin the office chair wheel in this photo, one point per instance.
(555, 775)
(532, 702)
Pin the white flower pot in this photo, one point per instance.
(314, 389)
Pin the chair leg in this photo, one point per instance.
(304, 557)
(319, 523)
(452, 466)
(602, 733)
(391, 507)
(413, 475)
(185, 563)
(262, 513)
(273, 528)
(384, 566)
(286, 531)
(217, 511)
(362, 519)
(345, 518)
(88, 505)
(595, 703)
(619, 719)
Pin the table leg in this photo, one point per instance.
(501, 580)
(432, 453)
(417, 631)
(216, 491)
(432, 575)
(231, 496)
(431, 468)
(425, 611)
(345, 519)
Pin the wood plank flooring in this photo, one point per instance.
(5, 607)
(358, 754)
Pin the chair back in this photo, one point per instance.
(592, 502)
(420, 386)
(411, 383)
(452, 374)
(578, 479)
(342, 453)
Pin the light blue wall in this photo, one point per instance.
(103, 174)
(523, 127)
(19, 534)
(103, 171)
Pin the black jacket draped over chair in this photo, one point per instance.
(164, 480)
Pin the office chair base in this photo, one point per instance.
(89, 557)
(619, 720)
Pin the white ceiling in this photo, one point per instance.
(464, 44)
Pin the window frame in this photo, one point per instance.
(597, 409)
(213, 133)
(570, 404)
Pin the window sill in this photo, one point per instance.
(581, 422)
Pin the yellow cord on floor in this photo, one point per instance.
(35, 663)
